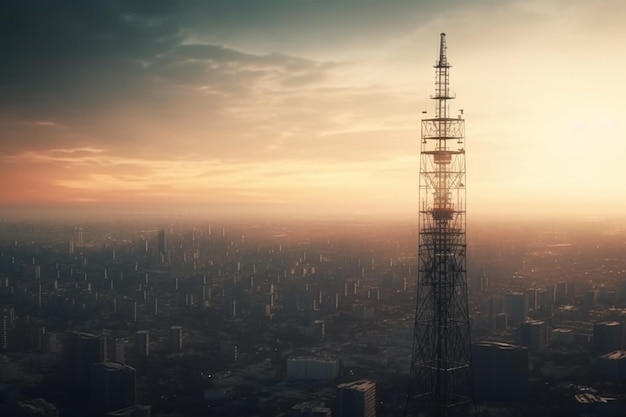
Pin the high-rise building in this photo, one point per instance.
(4, 332)
(176, 338)
(318, 329)
(162, 242)
(500, 322)
(79, 237)
(39, 336)
(356, 399)
(560, 295)
(155, 305)
(500, 372)
(440, 379)
(612, 366)
(142, 343)
(116, 349)
(571, 289)
(533, 334)
(590, 299)
(516, 307)
(113, 386)
(82, 350)
(607, 336)
(550, 295)
(532, 298)
(493, 305)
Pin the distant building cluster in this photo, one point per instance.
(247, 320)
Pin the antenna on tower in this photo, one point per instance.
(442, 50)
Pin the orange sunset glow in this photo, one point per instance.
(308, 106)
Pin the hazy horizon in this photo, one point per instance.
(299, 217)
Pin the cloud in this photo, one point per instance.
(89, 174)
(134, 77)
(270, 99)
(123, 75)
(58, 56)
(67, 58)
(224, 70)
(319, 27)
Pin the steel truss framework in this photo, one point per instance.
(440, 379)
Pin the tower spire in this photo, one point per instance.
(442, 51)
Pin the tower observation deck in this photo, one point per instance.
(440, 380)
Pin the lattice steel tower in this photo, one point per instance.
(440, 379)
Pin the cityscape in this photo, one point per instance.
(184, 318)
(234, 208)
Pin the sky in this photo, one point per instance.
(308, 107)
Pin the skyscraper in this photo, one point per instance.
(4, 331)
(356, 399)
(533, 334)
(500, 372)
(142, 343)
(516, 306)
(113, 386)
(82, 350)
(79, 237)
(162, 242)
(607, 336)
(176, 338)
(116, 349)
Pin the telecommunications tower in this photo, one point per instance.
(440, 380)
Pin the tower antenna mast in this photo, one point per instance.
(440, 381)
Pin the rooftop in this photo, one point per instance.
(360, 385)
(615, 355)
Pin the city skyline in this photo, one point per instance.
(307, 107)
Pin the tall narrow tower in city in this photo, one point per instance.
(440, 379)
